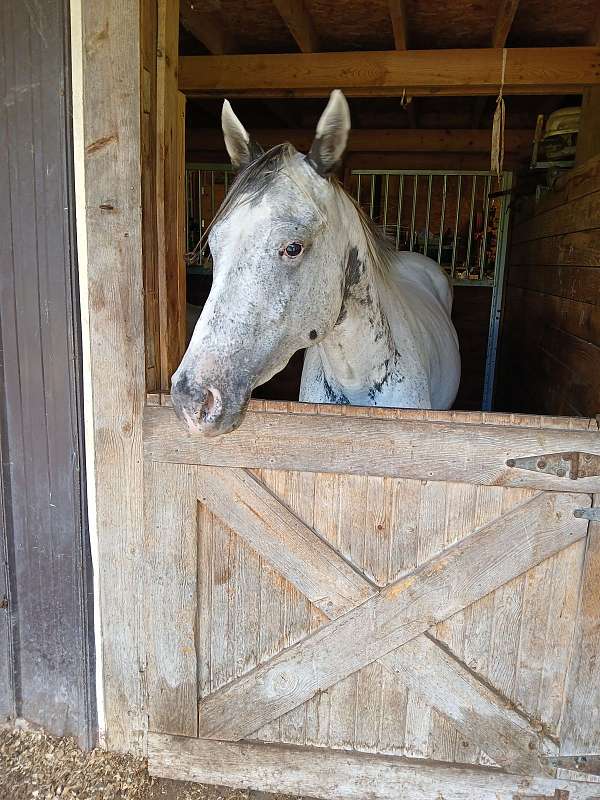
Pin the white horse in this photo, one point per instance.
(298, 265)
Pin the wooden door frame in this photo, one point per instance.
(106, 59)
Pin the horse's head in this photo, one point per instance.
(278, 271)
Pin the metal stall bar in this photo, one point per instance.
(427, 215)
(386, 188)
(471, 213)
(414, 211)
(456, 221)
(399, 215)
(372, 198)
(486, 208)
(442, 215)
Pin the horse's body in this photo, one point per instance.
(298, 265)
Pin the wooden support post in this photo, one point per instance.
(588, 140)
(107, 110)
(169, 167)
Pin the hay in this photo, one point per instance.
(35, 766)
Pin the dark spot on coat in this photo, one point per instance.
(313, 334)
(339, 398)
(354, 269)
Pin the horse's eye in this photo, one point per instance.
(293, 249)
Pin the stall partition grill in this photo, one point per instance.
(458, 218)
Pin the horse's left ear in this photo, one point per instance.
(241, 148)
(330, 142)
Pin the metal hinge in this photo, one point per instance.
(571, 465)
(593, 514)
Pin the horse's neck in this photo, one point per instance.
(359, 358)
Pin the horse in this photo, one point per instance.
(297, 264)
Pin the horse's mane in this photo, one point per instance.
(253, 181)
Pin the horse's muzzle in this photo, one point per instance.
(205, 408)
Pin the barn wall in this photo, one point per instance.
(46, 659)
(550, 354)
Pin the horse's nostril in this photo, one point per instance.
(211, 404)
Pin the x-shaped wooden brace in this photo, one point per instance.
(388, 625)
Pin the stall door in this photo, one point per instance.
(365, 603)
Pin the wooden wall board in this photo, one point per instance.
(549, 350)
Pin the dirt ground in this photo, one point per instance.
(35, 766)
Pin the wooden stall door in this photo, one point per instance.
(364, 602)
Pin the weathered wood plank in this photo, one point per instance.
(244, 504)
(343, 775)
(449, 582)
(580, 727)
(545, 70)
(171, 597)
(377, 446)
(112, 251)
(479, 712)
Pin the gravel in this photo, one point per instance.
(35, 766)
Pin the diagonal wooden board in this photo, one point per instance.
(457, 577)
(316, 569)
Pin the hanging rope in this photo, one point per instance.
(498, 125)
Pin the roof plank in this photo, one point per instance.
(399, 23)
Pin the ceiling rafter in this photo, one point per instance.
(504, 20)
(397, 9)
(300, 24)
(206, 24)
(594, 34)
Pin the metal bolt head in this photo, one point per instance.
(561, 472)
(541, 464)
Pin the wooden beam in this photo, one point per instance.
(398, 16)
(170, 149)
(543, 70)
(386, 140)
(207, 26)
(300, 24)
(504, 20)
(345, 775)
(474, 456)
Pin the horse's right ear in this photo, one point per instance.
(330, 142)
(242, 150)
